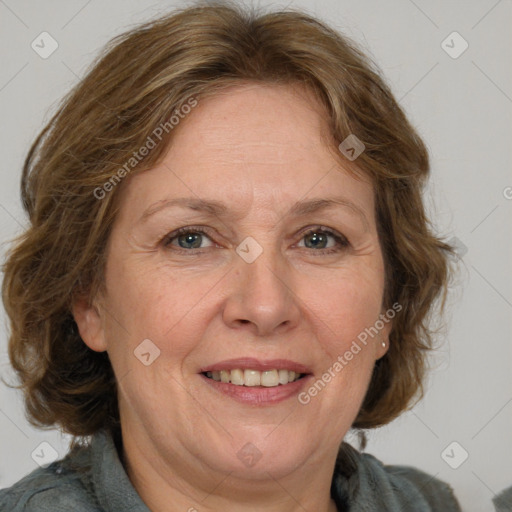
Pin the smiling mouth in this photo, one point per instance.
(254, 378)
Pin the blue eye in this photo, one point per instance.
(321, 240)
(187, 238)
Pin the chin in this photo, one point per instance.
(258, 457)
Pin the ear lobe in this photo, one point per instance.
(89, 322)
(383, 339)
(382, 347)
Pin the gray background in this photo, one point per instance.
(461, 106)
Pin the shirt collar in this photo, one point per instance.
(114, 490)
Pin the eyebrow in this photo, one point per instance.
(219, 209)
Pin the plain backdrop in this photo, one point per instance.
(461, 103)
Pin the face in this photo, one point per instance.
(277, 270)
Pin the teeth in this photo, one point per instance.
(283, 377)
(270, 379)
(237, 377)
(251, 378)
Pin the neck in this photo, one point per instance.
(185, 486)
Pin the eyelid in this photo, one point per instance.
(324, 229)
(341, 239)
(183, 231)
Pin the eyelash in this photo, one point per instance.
(342, 242)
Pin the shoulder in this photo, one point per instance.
(414, 486)
(376, 486)
(438, 494)
(503, 501)
(59, 487)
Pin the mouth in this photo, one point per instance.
(255, 382)
(252, 378)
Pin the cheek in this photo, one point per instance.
(164, 305)
(345, 315)
(346, 307)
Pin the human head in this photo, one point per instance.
(138, 83)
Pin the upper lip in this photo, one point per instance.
(251, 363)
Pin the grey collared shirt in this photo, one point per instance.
(93, 479)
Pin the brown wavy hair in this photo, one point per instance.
(138, 81)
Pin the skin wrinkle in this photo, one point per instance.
(258, 152)
(179, 435)
(218, 209)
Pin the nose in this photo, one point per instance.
(262, 298)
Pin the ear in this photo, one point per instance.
(89, 321)
(383, 337)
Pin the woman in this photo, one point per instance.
(228, 267)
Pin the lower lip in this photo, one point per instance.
(259, 395)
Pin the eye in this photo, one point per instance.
(322, 240)
(187, 238)
(317, 238)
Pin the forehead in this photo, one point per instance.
(254, 142)
(269, 121)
